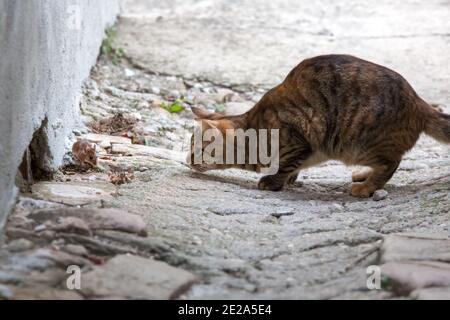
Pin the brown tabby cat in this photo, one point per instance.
(337, 107)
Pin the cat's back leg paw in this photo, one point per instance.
(361, 190)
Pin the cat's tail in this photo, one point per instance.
(437, 124)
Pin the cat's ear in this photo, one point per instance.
(222, 125)
(203, 113)
(208, 124)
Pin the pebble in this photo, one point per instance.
(338, 206)
(136, 115)
(5, 292)
(129, 73)
(196, 240)
(156, 90)
(142, 105)
(40, 227)
(380, 195)
(175, 94)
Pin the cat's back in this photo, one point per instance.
(341, 100)
(341, 73)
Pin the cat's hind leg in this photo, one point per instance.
(383, 170)
(361, 175)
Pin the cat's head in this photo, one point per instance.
(209, 141)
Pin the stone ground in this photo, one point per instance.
(221, 236)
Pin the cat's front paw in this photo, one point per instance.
(361, 190)
(271, 183)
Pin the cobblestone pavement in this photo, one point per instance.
(222, 236)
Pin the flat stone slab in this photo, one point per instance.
(73, 193)
(43, 293)
(410, 246)
(405, 277)
(134, 277)
(134, 163)
(432, 294)
(95, 219)
(141, 150)
(106, 140)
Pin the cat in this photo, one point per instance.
(336, 107)
(84, 153)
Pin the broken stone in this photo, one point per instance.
(43, 293)
(9, 278)
(19, 245)
(5, 292)
(431, 294)
(98, 246)
(43, 259)
(105, 144)
(50, 277)
(17, 233)
(103, 219)
(40, 228)
(409, 246)
(130, 95)
(25, 205)
(134, 277)
(141, 150)
(174, 94)
(107, 140)
(155, 90)
(405, 277)
(142, 105)
(63, 260)
(129, 72)
(74, 193)
(70, 225)
(379, 195)
(223, 95)
(36, 260)
(17, 221)
(74, 249)
(145, 246)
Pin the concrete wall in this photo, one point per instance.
(47, 48)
